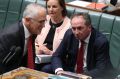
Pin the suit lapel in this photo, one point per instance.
(22, 34)
(75, 47)
(90, 51)
(33, 44)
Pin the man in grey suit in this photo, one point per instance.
(96, 58)
(14, 38)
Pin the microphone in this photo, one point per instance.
(12, 49)
(13, 55)
(11, 61)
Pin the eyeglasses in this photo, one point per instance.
(40, 22)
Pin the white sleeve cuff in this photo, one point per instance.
(58, 69)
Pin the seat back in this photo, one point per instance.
(95, 19)
(115, 44)
(70, 11)
(68, 0)
(106, 24)
(11, 10)
(2, 16)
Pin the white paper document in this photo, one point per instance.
(79, 3)
(43, 58)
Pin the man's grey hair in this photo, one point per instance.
(85, 15)
(32, 10)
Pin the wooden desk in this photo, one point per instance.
(83, 5)
(114, 12)
(25, 73)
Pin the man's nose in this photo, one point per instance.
(76, 31)
(51, 8)
(43, 25)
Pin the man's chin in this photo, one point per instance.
(37, 33)
(77, 37)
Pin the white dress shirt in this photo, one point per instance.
(85, 49)
(85, 53)
(27, 34)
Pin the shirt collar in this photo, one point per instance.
(27, 33)
(87, 39)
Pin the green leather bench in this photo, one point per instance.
(109, 25)
(11, 10)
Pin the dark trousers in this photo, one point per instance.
(45, 67)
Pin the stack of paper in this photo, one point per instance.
(43, 58)
(79, 3)
(59, 77)
(75, 76)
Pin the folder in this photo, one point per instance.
(99, 6)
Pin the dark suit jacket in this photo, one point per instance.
(113, 2)
(12, 36)
(97, 55)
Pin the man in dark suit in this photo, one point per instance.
(14, 39)
(96, 49)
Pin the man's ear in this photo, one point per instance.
(27, 20)
(90, 27)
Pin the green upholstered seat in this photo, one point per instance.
(4, 4)
(77, 10)
(11, 18)
(106, 24)
(42, 3)
(95, 19)
(3, 9)
(70, 11)
(2, 18)
(11, 9)
(68, 0)
(15, 5)
(115, 44)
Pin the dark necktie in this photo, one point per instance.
(80, 57)
(30, 62)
